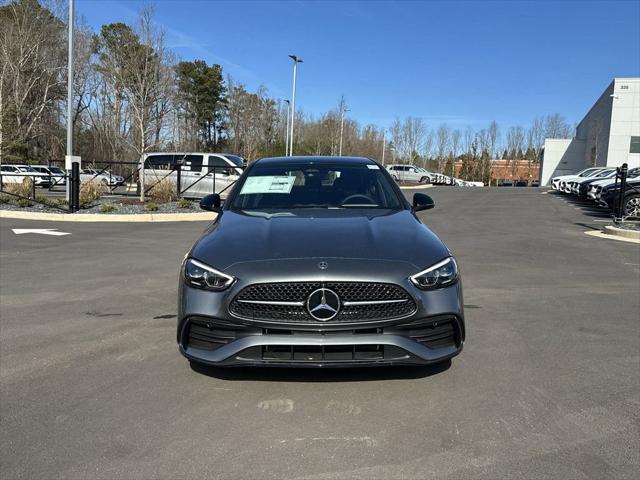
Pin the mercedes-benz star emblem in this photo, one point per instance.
(323, 304)
(323, 265)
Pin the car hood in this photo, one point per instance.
(376, 238)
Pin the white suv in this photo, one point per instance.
(409, 173)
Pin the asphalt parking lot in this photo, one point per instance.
(548, 386)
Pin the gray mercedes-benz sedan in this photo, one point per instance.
(319, 261)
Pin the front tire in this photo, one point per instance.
(631, 206)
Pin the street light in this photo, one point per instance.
(296, 61)
(342, 127)
(69, 99)
(286, 142)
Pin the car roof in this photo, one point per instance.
(326, 160)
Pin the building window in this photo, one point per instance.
(635, 145)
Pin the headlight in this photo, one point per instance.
(441, 274)
(200, 275)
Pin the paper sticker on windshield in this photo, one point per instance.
(373, 167)
(268, 184)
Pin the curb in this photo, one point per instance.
(613, 236)
(96, 217)
(621, 232)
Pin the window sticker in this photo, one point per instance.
(268, 184)
(373, 167)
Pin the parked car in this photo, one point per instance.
(522, 183)
(535, 183)
(556, 181)
(17, 173)
(595, 189)
(54, 175)
(99, 175)
(409, 173)
(581, 187)
(319, 261)
(200, 173)
(565, 179)
(572, 186)
(610, 197)
(11, 174)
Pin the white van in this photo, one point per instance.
(200, 173)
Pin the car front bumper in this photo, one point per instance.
(207, 333)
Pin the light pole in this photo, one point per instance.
(342, 127)
(296, 61)
(70, 97)
(286, 142)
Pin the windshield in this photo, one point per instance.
(286, 187)
(236, 160)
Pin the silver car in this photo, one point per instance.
(409, 173)
(319, 261)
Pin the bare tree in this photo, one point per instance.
(456, 136)
(515, 142)
(555, 126)
(442, 144)
(494, 137)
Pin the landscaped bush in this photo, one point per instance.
(184, 203)
(107, 207)
(24, 189)
(5, 198)
(164, 191)
(152, 207)
(90, 192)
(23, 202)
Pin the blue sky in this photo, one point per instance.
(462, 63)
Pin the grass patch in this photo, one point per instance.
(23, 203)
(151, 207)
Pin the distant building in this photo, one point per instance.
(509, 170)
(608, 135)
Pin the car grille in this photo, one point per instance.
(286, 302)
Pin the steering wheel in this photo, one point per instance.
(359, 195)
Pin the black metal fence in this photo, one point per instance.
(125, 179)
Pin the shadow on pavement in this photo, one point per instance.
(297, 374)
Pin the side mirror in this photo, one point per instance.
(210, 202)
(422, 201)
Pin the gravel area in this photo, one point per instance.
(121, 207)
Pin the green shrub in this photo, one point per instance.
(42, 199)
(107, 207)
(152, 207)
(23, 202)
(5, 198)
(184, 203)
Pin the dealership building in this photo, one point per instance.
(608, 135)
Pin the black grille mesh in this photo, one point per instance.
(300, 291)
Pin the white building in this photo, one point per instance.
(608, 135)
